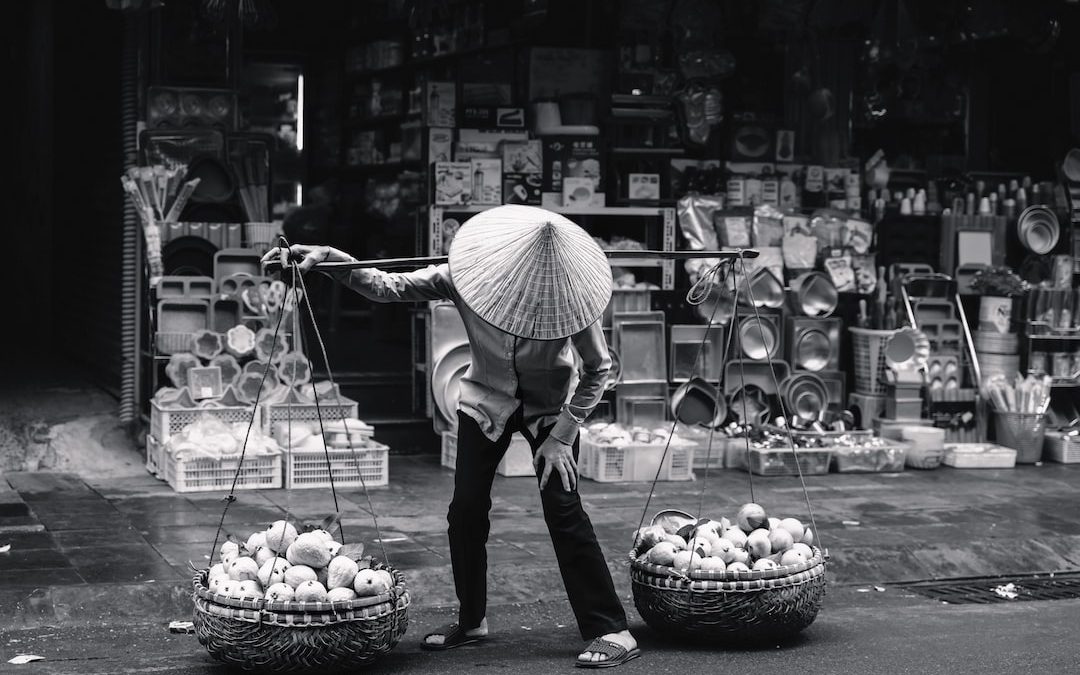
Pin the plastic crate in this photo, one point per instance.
(309, 469)
(341, 409)
(164, 422)
(153, 457)
(978, 456)
(635, 463)
(516, 462)
(206, 474)
(811, 438)
(782, 462)
(870, 458)
(1062, 448)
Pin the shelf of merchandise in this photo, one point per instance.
(437, 213)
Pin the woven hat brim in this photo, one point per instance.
(530, 272)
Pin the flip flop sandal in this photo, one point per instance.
(453, 636)
(616, 654)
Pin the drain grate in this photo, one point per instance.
(987, 590)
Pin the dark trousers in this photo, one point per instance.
(581, 562)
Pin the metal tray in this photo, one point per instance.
(685, 341)
(230, 261)
(641, 348)
(182, 315)
(756, 372)
(620, 317)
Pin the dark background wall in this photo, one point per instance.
(64, 208)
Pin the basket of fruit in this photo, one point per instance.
(289, 601)
(758, 578)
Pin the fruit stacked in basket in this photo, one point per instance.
(286, 600)
(754, 577)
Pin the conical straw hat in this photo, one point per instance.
(530, 272)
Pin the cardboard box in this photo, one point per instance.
(522, 156)
(453, 183)
(466, 152)
(577, 192)
(522, 188)
(499, 118)
(571, 157)
(440, 104)
(644, 186)
(487, 181)
(440, 145)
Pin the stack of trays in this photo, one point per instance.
(998, 354)
(640, 340)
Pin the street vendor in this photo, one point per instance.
(531, 287)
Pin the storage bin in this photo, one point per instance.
(782, 461)
(164, 422)
(903, 408)
(978, 456)
(516, 462)
(347, 466)
(153, 457)
(207, 474)
(635, 462)
(1063, 448)
(870, 458)
(332, 409)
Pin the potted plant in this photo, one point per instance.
(997, 286)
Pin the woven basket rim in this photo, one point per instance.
(396, 598)
(781, 572)
(685, 584)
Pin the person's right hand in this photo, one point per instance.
(306, 256)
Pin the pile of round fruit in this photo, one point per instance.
(753, 542)
(281, 565)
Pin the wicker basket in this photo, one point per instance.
(294, 637)
(736, 607)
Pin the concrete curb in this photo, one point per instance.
(11, 504)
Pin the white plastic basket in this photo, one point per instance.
(516, 462)
(634, 463)
(308, 469)
(153, 457)
(164, 422)
(340, 409)
(1062, 448)
(206, 474)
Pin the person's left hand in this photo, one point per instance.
(557, 456)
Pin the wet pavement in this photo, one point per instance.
(878, 528)
(97, 569)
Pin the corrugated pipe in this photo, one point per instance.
(129, 325)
